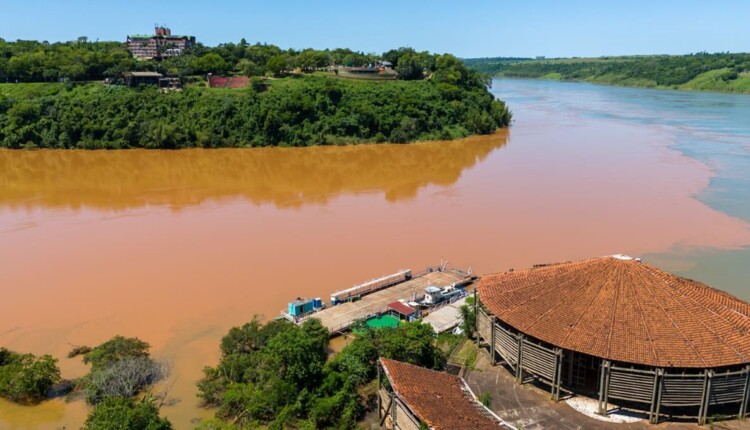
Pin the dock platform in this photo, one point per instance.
(447, 317)
(339, 318)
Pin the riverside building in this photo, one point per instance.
(623, 332)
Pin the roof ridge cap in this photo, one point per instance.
(588, 305)
(619, 268)
(643, 321)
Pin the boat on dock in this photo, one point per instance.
(435, 295)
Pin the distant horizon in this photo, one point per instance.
(483, 29)
(532, 57)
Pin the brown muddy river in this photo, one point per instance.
(177, 247)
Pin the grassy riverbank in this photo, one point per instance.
(705, 72)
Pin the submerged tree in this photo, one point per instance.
(120, 367)
(123, 413)
(26, 378)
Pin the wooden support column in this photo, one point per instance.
(476, 316)
(492, 340)
(394, 417)
(651, 405)
(519, 360)
(558, 374)
(745, 395)
(656, 396)
(603, 386)
(380, 399)
(606, 385)
(388, 409)
(705, 397)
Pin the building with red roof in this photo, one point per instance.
(441, 401)
(625, 330)
(402, 311)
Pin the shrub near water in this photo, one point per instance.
(25, 378)
(120, 367)
(120, 413)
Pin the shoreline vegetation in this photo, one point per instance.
(118, 388)
(279, 375)
(69, 95)
(720, 72)
(272, 374)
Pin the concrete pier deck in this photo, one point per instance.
(339, 318)
(446, 317)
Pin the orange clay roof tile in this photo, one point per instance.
(623, 310)
(437, 398)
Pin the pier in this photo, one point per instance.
(340, 318)
(447, 317)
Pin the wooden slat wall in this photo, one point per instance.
(631, 385)
(727, 388)
(682, 390)
(676, 390)
(506, 344)
(539, 360)
(384, 399)
(483, 322)
(404, 418)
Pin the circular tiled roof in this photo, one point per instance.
(624, 310)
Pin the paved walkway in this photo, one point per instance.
(530, 408)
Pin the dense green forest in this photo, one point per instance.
(278, 375)
(82, 60)
(436, 97)
(715, 72)
(295, 111)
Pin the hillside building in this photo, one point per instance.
(162, 44)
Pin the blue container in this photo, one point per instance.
(300, 307)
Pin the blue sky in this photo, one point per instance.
(466, 28)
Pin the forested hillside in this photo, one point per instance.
(702, 71)
(81, 60)
(436, 97)
(301, 111)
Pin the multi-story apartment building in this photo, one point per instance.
(162, 44)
